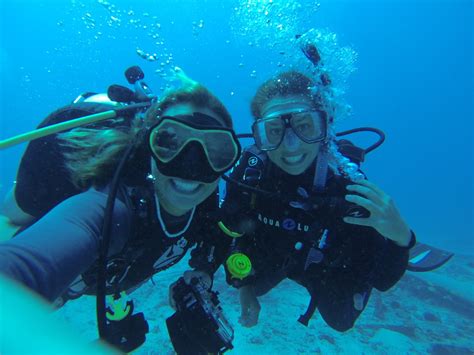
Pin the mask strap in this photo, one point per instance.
(321, 170)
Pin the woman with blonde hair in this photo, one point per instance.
(150, 195)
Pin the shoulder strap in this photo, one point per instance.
(321, 171)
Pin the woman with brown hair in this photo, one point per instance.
(307, 212)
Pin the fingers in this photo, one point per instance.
(371, 186)
(171, 301)
(363, 202)
(203, 277)
(244, 315)
(366, 192)
(359, 221)
(250, 307)
(249, 317)
(188, 275)
(252, 320)
(245, 323)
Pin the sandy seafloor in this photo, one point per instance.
(425, 313)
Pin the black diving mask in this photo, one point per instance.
(193, 147)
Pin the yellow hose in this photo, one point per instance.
(56, 128)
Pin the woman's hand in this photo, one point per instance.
(250, 307)
(384, 215)
(203, 278)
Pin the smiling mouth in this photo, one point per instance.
(185, 187)
(293, 160)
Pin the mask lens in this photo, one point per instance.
(310, 126)
(169, 138)
(166, 140)
(268, 133)
(274, 129)
(221, 149)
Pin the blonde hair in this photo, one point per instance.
(193, 93)
(92, 154)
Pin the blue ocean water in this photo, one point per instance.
(413, 77)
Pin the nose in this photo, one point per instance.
(192, 158)
(291, 141)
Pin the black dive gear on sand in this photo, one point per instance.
(198, 326)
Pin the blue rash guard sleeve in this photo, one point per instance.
(49, 255)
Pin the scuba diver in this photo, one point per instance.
(320, 223)
(143, 191)
(298, 206)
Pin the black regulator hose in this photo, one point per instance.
(366, 129)
(104, 245)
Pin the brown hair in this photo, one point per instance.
(93, 154)
(284, 84)
(197, 95)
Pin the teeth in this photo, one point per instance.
(185, 186)
(293, 159)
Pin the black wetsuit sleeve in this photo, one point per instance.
(391, 262)
(50, 254)
(376, 260)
